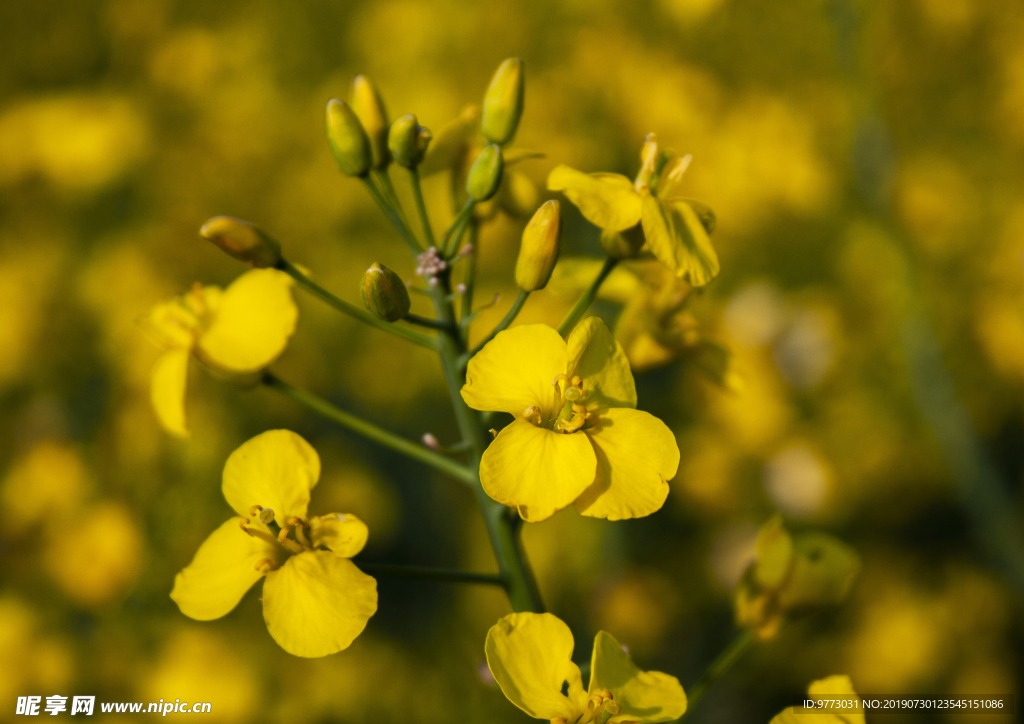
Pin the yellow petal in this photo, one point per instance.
(343, 533)
(607, 200)
(515, 370)
(676, 236)
(595, 356)
(536, 469)
(642, 696)
(823, 571)
(223, 569)
(167, 391)
(636, 457)
(276, 470)
(774, 553)
(253, 322)
(530, 656)
(317, 603)
(833, 687)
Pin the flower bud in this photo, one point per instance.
(538, 251)
(369, 108)
(349, 142)
(242, 240)
(624, 244)
(503, 102)
(485, 174)
(384, 293)
(408, 141)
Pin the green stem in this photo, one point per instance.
(520, 585)
(434, 574)
(469, 280)
(584, 302)
(352, 310)
(369, 430)
(517, 305)
(421, 206)
(424, 321)
(392, 214)
(725, 661)
(450, 240)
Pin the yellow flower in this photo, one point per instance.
(236, 331)
(676, 229)
(576, 436)
(835, 690)
(530, 656)
(315, 600)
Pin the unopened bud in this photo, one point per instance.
(369, 108)
(485, 175)
(408, 141)
(538, 251)
(384, 293)
(503, 102)
(242, 240)
(349, 142)
(624, 244)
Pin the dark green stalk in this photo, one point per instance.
(469, 280)
(433, 574)
(421, 207)
(393, 215)
(725, 661)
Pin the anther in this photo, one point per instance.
(576, 381)
(244, 522)
(298, 522)
(494, 433)
(532, 414)
(560, 378)
(255, 510)
(284, 540)
(270, 565)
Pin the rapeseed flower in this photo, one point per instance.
(530, 656)
(315, 600)
(236, 332)
(577, 437)
(843, 704)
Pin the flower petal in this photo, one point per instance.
(317, 603)
(167, 391)
(599, 359)
(515, 370)
(536, 469)
(343, 533)
(275, 469)
(676, 236)
(223, 569)
(642, 696)
(636, 457)
(607, 200)
(253, 322)
(833, 687)
(530, 656)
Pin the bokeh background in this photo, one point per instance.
(866, 163)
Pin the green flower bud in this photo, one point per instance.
(242, 240)
(624, 244)
(503, 102)
(369, 108)
(408, 141)
(538, 251)
(485, 174)
(348, 140)
(384, 293)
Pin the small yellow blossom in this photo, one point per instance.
(236, 331)
(530, 656)
(315, 600)
(676, 229)
(577, 435)
(843, 704)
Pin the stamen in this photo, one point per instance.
(532, 414)
(255, 510)
(494, 433)
(270, 565)
(287, 542)
(300, 536)
(244, 522)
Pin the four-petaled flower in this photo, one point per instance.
(675, 229)
(576, 436)
(530, 656)
(236, 331)
(315, 600)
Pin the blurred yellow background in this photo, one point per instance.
(866, 165)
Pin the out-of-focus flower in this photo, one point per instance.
(640, 607)
(48, 481)
(577, 437)
(41, 662)
(315, 600)
(797, 480)
(805, 350)
(237, 332)
(835, 689)
(530, 656)
(96, 557)
(792, 574)
(676, 229)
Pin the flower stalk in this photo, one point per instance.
(588, 297)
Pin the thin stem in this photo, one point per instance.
(369, 430)
(424, 321)
(352, 310)
(393, 215)
(453, 234)
(434, 574)
(517, 305)
(421, 207)
(469, 280)
(584, 302)
(725, 661)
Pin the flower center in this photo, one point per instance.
(572, 415)
(291, 536)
